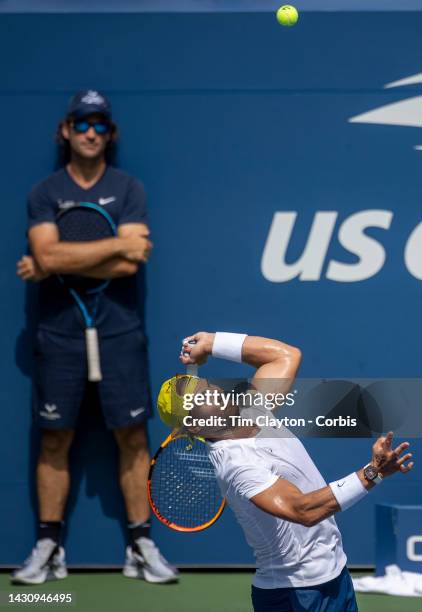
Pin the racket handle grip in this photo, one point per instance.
(192, 369)
(93, 354)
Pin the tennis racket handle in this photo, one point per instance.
(192, 368)
(93, 354)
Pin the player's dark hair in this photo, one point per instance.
(63, 145)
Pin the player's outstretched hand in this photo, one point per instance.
(389, 460)
(197, 348)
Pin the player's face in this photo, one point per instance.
(88, 137)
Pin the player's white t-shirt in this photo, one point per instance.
(287, 554)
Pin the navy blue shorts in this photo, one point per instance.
(60, 380)
(338, 595)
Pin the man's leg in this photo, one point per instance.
(133, 471)
(53, 478)
(59, 387)
(47, 560)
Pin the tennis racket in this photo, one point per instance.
(182, 487)
(86, 222)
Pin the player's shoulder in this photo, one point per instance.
(46, 184)
(228, 455)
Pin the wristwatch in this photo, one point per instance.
(371, 473)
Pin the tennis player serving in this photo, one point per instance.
(272, 485)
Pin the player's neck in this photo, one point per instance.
(86, 172)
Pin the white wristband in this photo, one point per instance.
(348, 491)
(228, 346)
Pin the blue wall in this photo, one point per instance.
(200, 6)
(227, 119)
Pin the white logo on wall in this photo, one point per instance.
(351, 235)
(405, 113)
(411, 548)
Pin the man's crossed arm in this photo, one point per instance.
(108, 258)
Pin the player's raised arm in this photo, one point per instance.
(277, 363)
(284, 500)
(272, 358)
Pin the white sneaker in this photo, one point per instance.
(148, 563)
(46, 562)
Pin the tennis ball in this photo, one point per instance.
(287, 15)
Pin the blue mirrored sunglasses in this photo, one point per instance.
(100, 127)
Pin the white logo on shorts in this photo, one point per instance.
(50, 412)
(134, 413)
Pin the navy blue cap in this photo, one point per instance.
(88, 102)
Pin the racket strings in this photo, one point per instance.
(183, 484)
(83, 224)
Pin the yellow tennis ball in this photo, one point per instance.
(287, 15)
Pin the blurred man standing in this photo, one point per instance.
(87, 137)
